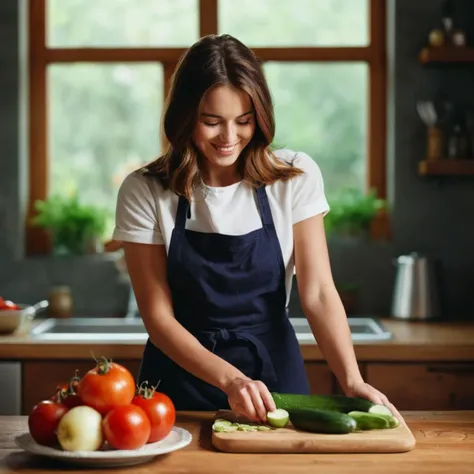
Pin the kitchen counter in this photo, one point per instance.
(445, 444)
(412, 341)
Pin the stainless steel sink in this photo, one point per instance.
(133, 330)
(362, 329)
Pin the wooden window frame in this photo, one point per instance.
(40, 56)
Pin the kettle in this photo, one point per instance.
(415, 295)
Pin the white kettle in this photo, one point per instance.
(415, 295)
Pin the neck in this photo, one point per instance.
(221, 176)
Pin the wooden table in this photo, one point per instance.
(445, 444)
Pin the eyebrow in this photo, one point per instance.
(219, 117)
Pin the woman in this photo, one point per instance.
(212, 231)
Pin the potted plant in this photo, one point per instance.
(75, 228)
(352, 213)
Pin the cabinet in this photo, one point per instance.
(40, 378)
(320, 377)
(426, 386)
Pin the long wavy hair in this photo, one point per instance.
(216, 60)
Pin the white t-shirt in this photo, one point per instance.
(146, 212)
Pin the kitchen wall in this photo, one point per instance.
(432, 216)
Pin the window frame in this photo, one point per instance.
(40, 56)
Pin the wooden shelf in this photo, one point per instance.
(446, 55)
(446, 167)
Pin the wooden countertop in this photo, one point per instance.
(445, 444)
(412, 341)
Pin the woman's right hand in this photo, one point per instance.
(250, 398)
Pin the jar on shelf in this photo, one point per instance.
(60, 302)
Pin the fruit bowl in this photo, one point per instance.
(178, 438)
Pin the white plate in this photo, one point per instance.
(177, 439)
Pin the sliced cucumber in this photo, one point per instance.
(278, 418)
(369, 421)
(380, 410)
(220, 427)
(223, 421)
(322, 421)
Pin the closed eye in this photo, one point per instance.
(214, 124)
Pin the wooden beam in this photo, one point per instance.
(37, 241)
(376, 169)
(113, 55)
(208, 17)
(64, 55)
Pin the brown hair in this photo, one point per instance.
(216, 60)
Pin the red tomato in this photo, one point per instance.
(106, 386)
(43, 421)
(8, 305)
(126, 427)
(67, 393)
(159, 409)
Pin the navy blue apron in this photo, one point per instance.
(229, 292)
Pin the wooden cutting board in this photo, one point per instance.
(290, 440)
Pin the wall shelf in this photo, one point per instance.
(446, 55)
(446, 167)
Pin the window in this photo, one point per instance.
(99, 76)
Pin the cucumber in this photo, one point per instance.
(338, 403)
(392, 421)
(322, 421)
(369, 421)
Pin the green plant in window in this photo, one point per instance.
(352, 212)
(75, 228)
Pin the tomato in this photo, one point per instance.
(43, 421)
(8, 305)
(106, 386)
(126, 427)
(67, 393)
(159, 409)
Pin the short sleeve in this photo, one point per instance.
(308, 190)
(136, 218)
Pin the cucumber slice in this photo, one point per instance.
(220, 427)
(246, 427)
(380, 410)
(369, 421)
(278, 418)
(223, 421)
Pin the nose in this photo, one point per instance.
(228, 134)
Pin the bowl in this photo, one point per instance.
(12, 319)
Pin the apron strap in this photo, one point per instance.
(268, 224)
(183, 208)
(264, 206)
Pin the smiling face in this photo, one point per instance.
(226, 124)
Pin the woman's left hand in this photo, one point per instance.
(364, 390)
